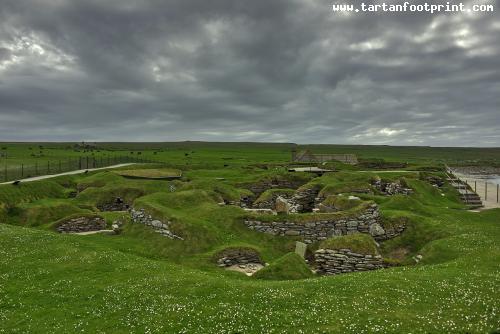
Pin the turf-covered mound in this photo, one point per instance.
(338, 203)
(270, 195)
(155, 174)
(358, 242)
(288, 267)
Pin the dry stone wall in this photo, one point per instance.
(163, 228)
(305, 200)
(367, 222)
(231, 257)
(82, 224)
(333, 262)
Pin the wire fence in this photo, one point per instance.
(23, 171)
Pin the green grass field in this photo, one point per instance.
(217, 154)
(141, 282)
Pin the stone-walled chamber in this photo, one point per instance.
(234, 256)
(333, 262)
(82, 224)
(366, 222)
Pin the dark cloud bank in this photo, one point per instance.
(260, 70)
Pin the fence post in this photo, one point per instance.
(485, 191)
(59, 166)
(498, 186)
(5, 171)
(36, 168)
(87, 162)
(48, 167)
(22, 170)
(475, 186)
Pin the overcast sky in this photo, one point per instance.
(250, 70)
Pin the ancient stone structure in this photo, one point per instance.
(82, 224)
(163, 228)
(118, 204)
(333, 262)
(237, 256)
(366, 222)
(391, 188)
(305, 200)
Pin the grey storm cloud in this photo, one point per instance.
(281, 70)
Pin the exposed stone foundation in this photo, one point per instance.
(82, 224)
(163, 228)
(366, 222)
(333, 262)
(237, 256)
(305, 200)
(391, 188)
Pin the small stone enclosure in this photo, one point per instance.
(82, 224)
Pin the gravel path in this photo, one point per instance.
(80, 171)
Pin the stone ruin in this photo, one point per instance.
(82, 224)
(234, 256)
(163, 228)
(391, 188)
(244, 260)
(333, 262)
(303, 200)
(367, 221)
(118, 204)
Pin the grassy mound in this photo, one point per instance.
(30, 191)
(358, 242)
(288, 267)
(340, 202)
(269, 194)
(47, 210)
(357, 187)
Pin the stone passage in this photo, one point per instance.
(163, 228)
(236, 256)
(366, 222)
(82, 224)
(333, 262)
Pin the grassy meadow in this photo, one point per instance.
(141, 282)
